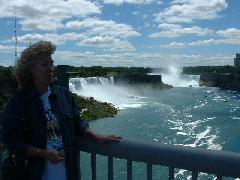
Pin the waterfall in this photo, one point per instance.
(81, 84)
(173, 76)
(103, 89)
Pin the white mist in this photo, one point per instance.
(173, 76)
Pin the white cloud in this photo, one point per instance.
(203, 42)
(4, 48)
(152, 1)
(113, 44)
(135, 12)
(210, 42)
(144, 16)
(229, 33)
(229, 36)
(41, 24)
(103, 28)
(44, 15)
(207, 42)
(174, 45)
(143, 59)
(119, 2)
(188, 11)
(180, 31)
(8, 54)
(146, 24)
(169, 26)
(55, 38)
(97, 33)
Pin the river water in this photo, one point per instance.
(189, 116)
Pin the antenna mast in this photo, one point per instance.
(16, 42)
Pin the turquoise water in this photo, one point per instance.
(196, 117)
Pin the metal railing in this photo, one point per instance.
(219, 163)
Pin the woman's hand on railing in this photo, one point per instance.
(107, 138)
(101, 138)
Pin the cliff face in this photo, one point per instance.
(136, 78)
(223, 81)
(141, 79)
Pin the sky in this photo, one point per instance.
(146, 33)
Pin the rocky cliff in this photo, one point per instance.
(142, 79)
(223, 81)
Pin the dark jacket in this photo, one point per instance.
(24, 124)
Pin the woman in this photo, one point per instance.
(41, 122)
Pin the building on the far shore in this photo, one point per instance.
(237, 60)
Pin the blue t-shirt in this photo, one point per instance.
(53, 171)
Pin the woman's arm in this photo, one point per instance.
(82, 127)
(101, 138)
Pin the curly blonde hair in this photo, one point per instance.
(28, 58)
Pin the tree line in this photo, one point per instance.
(95, 71)
(198, 70)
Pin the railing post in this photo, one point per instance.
(149, 171)
(0, 164)
(1, 154)
(110, 168)
(171, 173)
(0, 158)
(129, 170)
(194, 175)
(93, 166)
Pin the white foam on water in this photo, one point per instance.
(236, 118)
(205, 138)
(237, 108)
(218, 97)
(193, 125)
(125, 106)
(210, 118)
(181, 133)
(188, 115)
(212, 145)
(200, 104)
(181, 173)
(203, 134)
